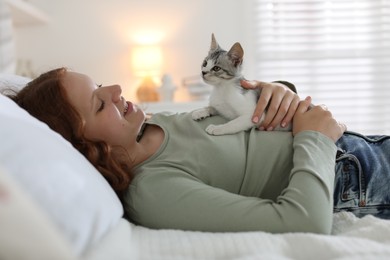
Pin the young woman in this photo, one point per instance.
(170, 173)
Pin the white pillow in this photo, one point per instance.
(26, 232)
(12, 81)
(67, 187)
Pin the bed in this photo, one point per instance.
(55, 205)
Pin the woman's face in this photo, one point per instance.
(108, 116)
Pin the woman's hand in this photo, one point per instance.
(317, 118)
(280, 102)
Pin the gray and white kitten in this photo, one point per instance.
(222, 70)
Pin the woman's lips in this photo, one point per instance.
(129, 108)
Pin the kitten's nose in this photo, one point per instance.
(204, 73)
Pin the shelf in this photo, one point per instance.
(25, 14)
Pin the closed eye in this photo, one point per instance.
(101, 107)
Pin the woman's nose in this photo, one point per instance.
(116, 92)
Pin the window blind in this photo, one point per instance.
(338, 52)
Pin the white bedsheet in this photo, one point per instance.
(352, 238)
(116, 245)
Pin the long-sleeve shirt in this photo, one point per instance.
(252, 180)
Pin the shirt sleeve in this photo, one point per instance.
(176, 201)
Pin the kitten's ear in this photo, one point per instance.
(214, 45)
(236, 54)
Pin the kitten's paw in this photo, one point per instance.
(215, 130)
(200, 114)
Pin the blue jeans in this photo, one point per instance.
(362, 182)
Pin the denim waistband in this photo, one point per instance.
(362, 180)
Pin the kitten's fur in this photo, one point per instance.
(222, 70)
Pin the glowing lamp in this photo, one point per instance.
(146, 63)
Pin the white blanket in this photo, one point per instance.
(352, 238)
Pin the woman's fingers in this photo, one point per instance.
(281, 112)
(279, 101)
(262, 103)
(318, 119)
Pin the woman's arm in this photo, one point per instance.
(280, 100)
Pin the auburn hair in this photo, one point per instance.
(46, 99)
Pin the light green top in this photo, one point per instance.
(249, 181)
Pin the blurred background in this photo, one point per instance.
(337, 51)
(98, 37)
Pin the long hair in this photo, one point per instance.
(45, 99)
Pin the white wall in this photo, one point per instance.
(95, 36)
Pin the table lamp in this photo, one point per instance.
(147, 62)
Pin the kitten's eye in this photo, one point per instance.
(216, 68)
(204, 63)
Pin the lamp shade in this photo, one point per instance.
(146, 60)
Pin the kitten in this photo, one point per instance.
(222, 70)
